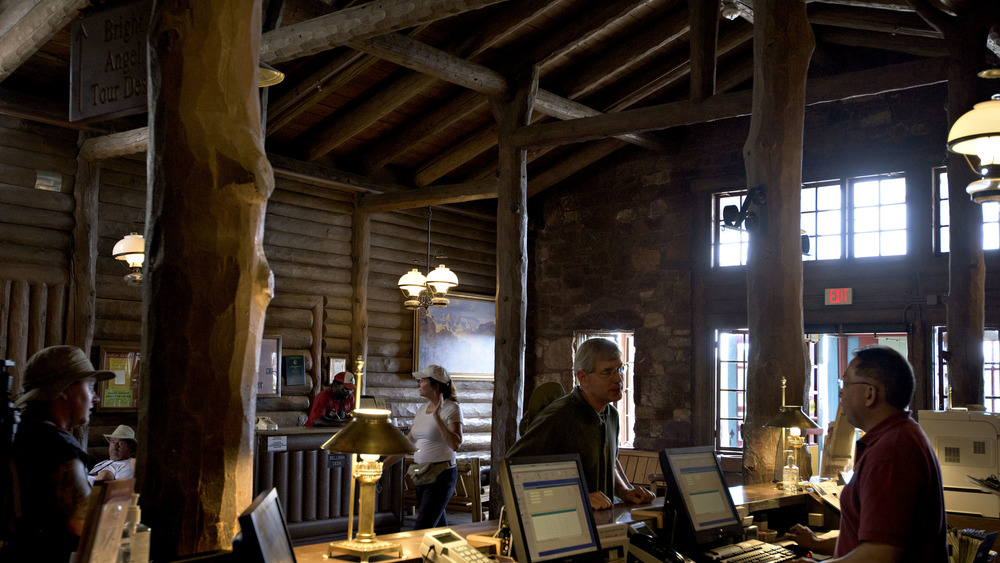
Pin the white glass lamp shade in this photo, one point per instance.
(131, 250)
(978, 133)
(412, 283)
(442, 279)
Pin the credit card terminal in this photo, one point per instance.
(448, 547)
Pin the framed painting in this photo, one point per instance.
(269, 367)
(120, 393)
(459, 337)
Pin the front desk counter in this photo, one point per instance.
(763, 501)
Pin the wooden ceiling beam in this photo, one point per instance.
(920, 46)
(357, 24)
(883, 21)
(426, 197)
(821, 90)
(340, 69)
(704, 25)
(26, 26)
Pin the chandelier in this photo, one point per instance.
(978, 133)
(131, 251)
(423, 291)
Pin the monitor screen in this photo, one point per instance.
(697, 492)
(263, 536)
(548, 507)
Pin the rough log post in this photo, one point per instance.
(512, 274)
(965, 34)
(783, 44)
(207, 284)
(83, 259)
(361, 241)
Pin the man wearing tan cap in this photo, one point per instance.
(51, 465)
(121, 457)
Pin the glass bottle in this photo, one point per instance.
(790, 475)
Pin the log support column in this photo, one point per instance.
(207, 283)
(512, 273)
(783, 44)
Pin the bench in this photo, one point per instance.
(469, 496)
(640, 466)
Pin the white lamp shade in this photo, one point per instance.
(442, 279)
(131, 250)
(978, 132)
(412, 282)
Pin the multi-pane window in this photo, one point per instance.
(626, 406)
(853, 218)
(991, 370)
(731, 391)
(991, 217)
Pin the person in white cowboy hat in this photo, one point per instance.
(51, 465)
(332, 404)
(437, 432)
(121, 457)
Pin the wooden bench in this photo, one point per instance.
(469, 496)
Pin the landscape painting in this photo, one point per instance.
(458, 337)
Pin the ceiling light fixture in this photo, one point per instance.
(978, 133)
(730, 10)
(431, 290)
(131, 250)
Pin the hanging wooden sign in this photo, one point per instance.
(108, 71)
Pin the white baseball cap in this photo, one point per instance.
(434, 372)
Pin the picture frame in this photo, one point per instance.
(460, 337)
(121, 393)
(335, 365)
(269, 367)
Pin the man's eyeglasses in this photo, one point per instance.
(842, 385)
(612, 372)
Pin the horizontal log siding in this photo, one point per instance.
(398, 244)
(36, 234)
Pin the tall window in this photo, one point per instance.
(991, 370)
(626, 406)
(731, 353)
(852, 218)
(991, 217)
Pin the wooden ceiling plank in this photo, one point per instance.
(29, 25)
(920, 46)
(564, 168)
(356, 24)
(883, 21)
(336, 72)
(456, 155)
(868, 82)
(588, 21)
(425, 197)
(652, 37)
(704, 39)
(404, 86)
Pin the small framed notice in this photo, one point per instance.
(121, 393)
(269, 367)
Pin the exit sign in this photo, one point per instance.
(838, 296)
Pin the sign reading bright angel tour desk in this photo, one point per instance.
(108, 62)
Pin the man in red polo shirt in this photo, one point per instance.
(332, 404)
(893, 508)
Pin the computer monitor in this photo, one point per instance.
(548, 508)
(263, 536)
(698, 497)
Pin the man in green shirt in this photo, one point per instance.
(585, 422)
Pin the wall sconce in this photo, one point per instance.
(131, 250)
(371, 435)
(978, 133)
(430, 290)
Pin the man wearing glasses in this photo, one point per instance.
(893, 508)
(585, 422)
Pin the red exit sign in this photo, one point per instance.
(838, 296)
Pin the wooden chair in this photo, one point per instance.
(640, 466)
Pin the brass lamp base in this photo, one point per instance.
(365, 549)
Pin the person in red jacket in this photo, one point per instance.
(332, 404)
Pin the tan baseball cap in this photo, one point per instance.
(51, 370)
(434, 372)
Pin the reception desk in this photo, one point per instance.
(314, 485)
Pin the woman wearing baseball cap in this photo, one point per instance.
(437, 432)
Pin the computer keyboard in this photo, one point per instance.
(750, 551)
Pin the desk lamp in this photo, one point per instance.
(792, 421)
(371, 435)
